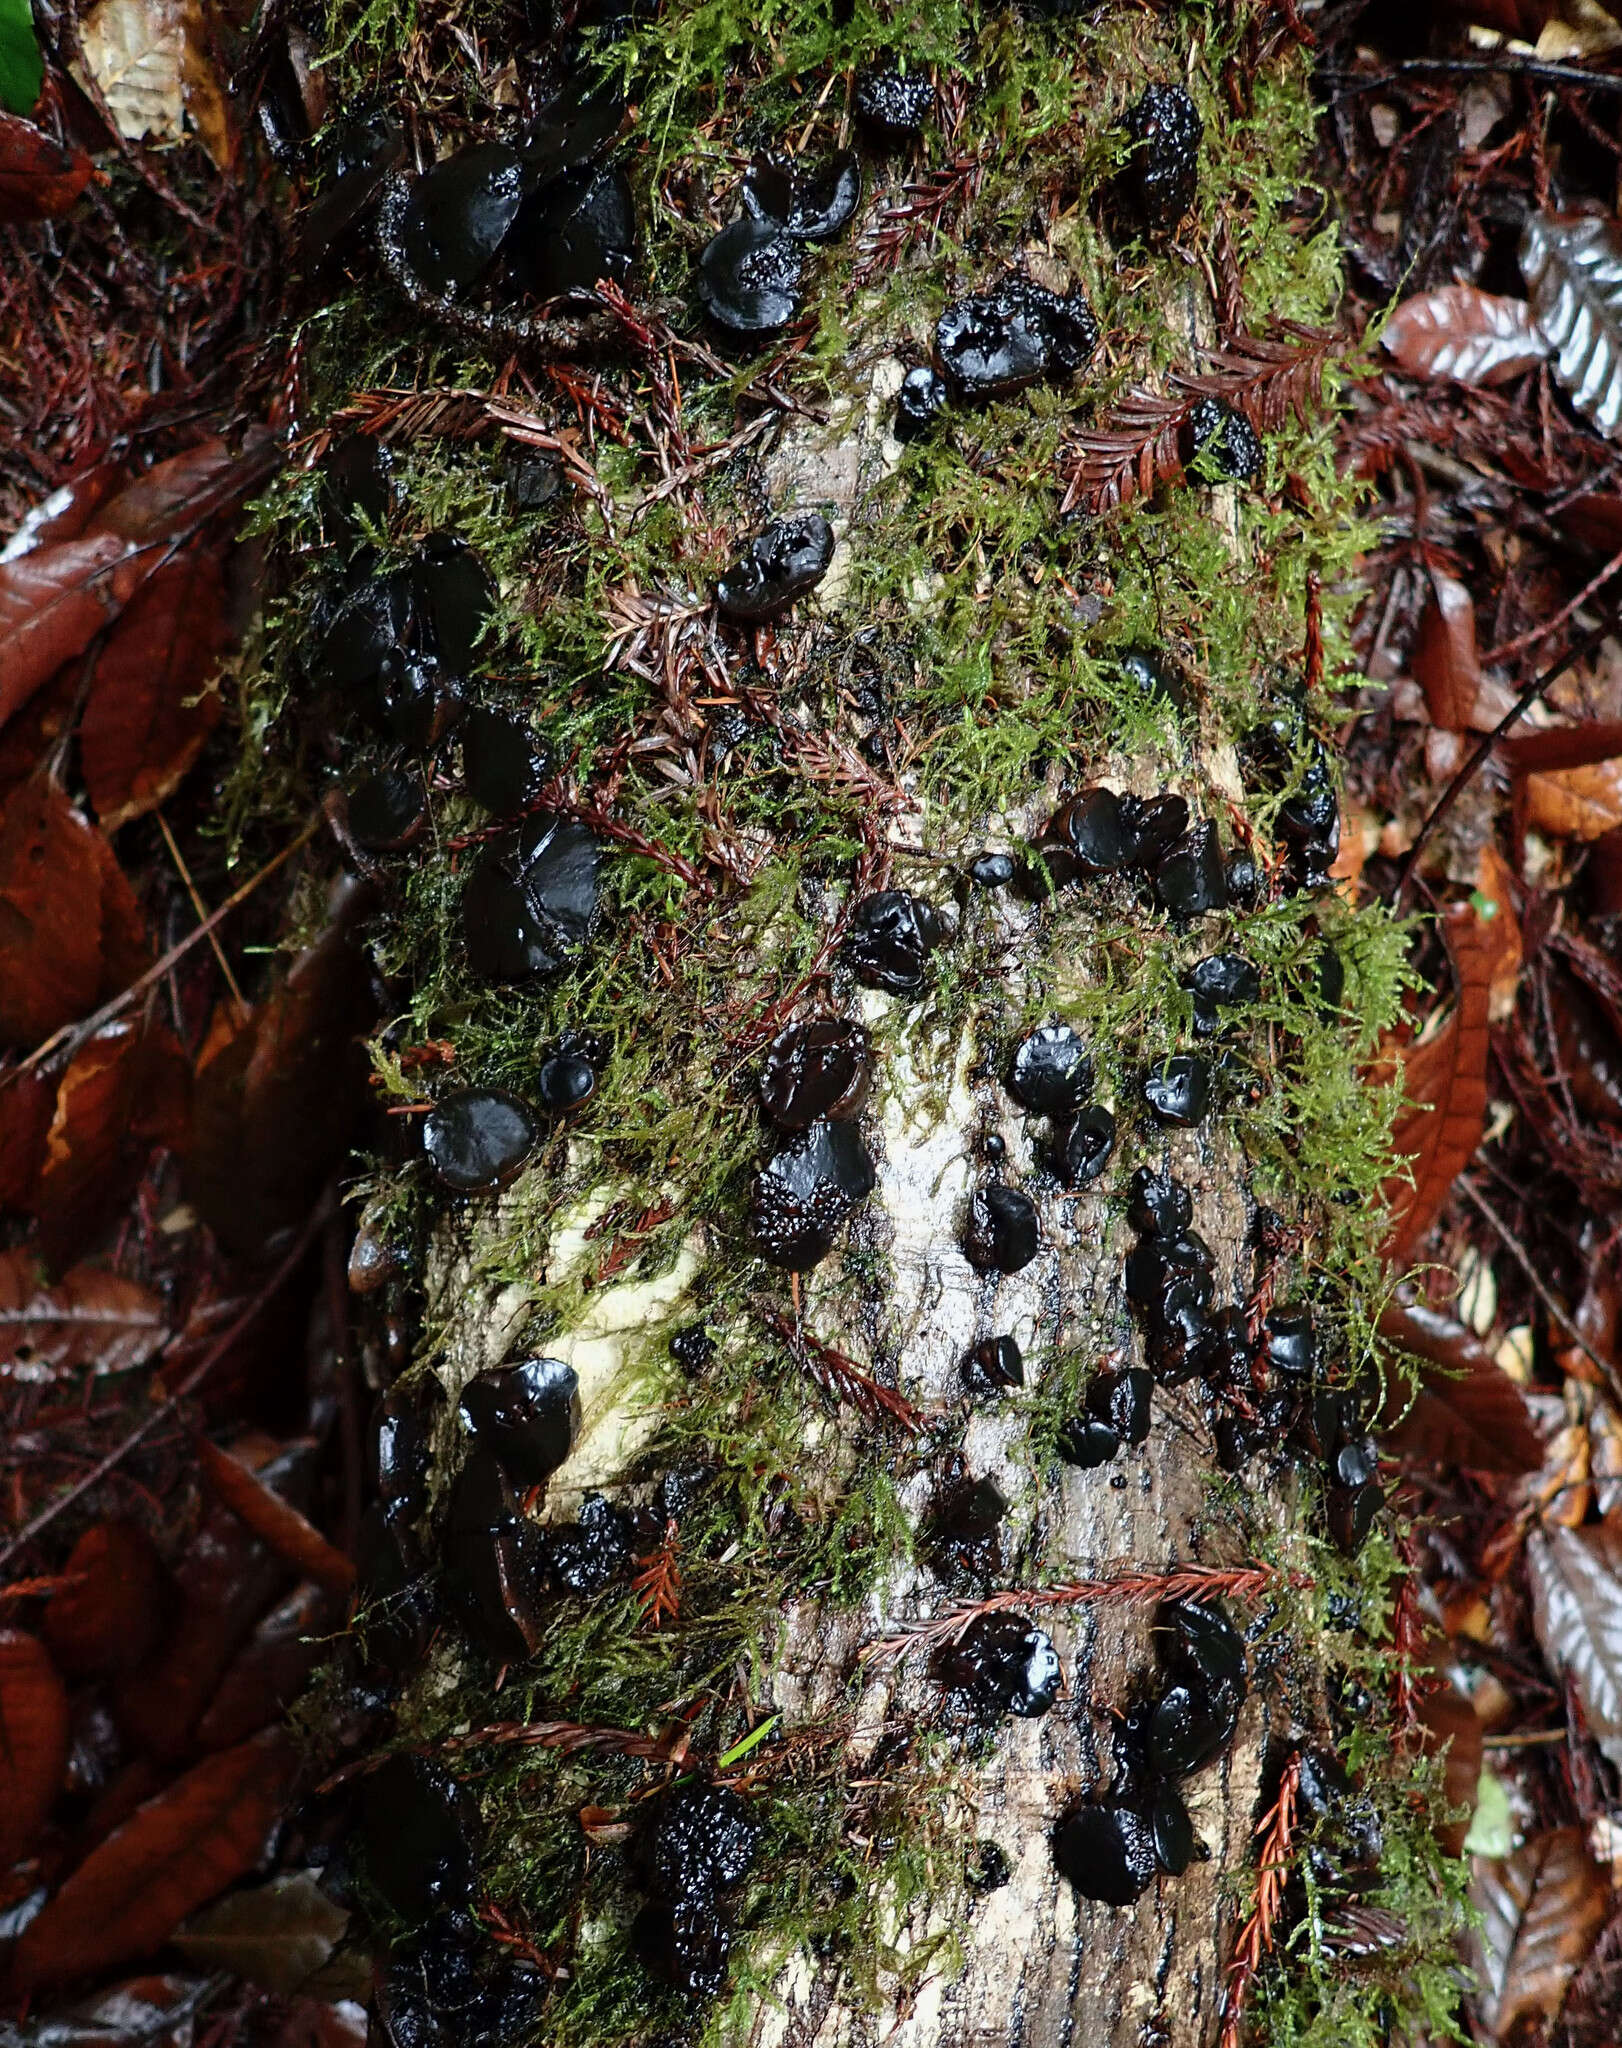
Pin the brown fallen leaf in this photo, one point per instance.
(1540, 1911)
(150, 707)
(1576, 1581)
(27, 1103)
(89, 1319)
(39, 178)
(1575, 803)
(272, 1668)
(278, 1935)
(1445, 1078)
(1496, 886)
(169, 1858)
(1450, 1724)
(33, 1740)
(51, 888)
(1467, 1412)
(111, 1611)
(1468, 335)
(1445, 660)
(271, 1518)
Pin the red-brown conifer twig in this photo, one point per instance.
(1275, 1831)
(1129, 1585)
(842, 1379)
(657, 1585)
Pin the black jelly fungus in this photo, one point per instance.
(692, 1348)
(822, 1068)
(1291, 1340)
(418, 1826)
(702, 1840)
(458, 214)
(1195, 1636)
(1122, 1400)
(400, 1452)
(892, 106)
(1098, 830)
(986, 1867)
(528, 1414)
(452, 598)
(1082, 1149)
(994, 1365)
(783, 562)
(478, 1138)
(1107, 1851)
(813, 203)
(358, 630)
(1156, 675)
(534, 480)
(1003, 1231)
(891, 938)
(689, 1944)
(919, 402)
(1189, 877)
(962, 1541)
(991, 870)
(1178, 1090)
(386, 810)
(994, 343)
(1051, 1073)
(565, 1081)
(1002, 1665)
(1225, 979)
(575, 233)
(1173, 1831)
(1245, 880)
(1222, 443)
(1162, 171)
(1188, 1728)
(1351, 1511)
(530, 904)
(358, 481)
(418, 700)
(1087, 1443)
(590, 1554)
(749, 277)
(1158, 1204)
(570, 130)
(504, 766)
(805, 1192)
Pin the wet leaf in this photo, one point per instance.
(1468, 335)
(1577, 1611)
(1451, 1724)
(89, 1319)
(1575, 803)
(38, 177)
(1572, 264)
(271, 1669)
(27, 1103)
(112, 1609)
(170, 1857)
(1496, 887)
(33, 1740)
(1468, 1412)
(273, 1520)
(125, 1092)
(1541, 1909)
(51, 891)
(278, 1935)
(150, 708)
(1445, 1077)
(21, 71)
(1445, 662)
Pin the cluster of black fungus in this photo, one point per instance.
(1113, 1848)
(691, 1857)
(504, 762)
(999, 1665)
(822, 1068)
(1170, 1277)
(785, 561)
(995, 343)
(892, 935)
(750, 275)
(1051, 1075)
(807, 1190)
(1286, 752)
(962, 1537)
(1162, 170)
(1221, 981)
(1221, 444)
(531, 901)
(994, 1366)
(892, 106)
(1117, 1413)
(1102, 832)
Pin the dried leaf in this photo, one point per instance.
(1468, 335)
(38, 177)
(1269, 377)
(1132, 449)
(1445, 1077)
(273, 1520)
(1572, 264)
(1540, 1910)
(1468, 1412)
(133, 50)
(53, 603)
(1577, 1610)
(90, 1319)
(170, 1857)
(1495, 885)
(1445, 663)
(125, 1092)
(1575, 803)
(33, 1740)
(277, 1935)
(150, 708)
(109, 1614)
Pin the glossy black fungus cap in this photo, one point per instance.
(1221, 981)
(571, 130)
(1189, 1728)
(1087, 1443)
(1178, 1090)
(822, 1068)
(458, 215)
(1351, 1511)
(504, 766)
(1156, 824)
(992, 870)
(1107, 1851)
(400, 1452)
(1173, 1831)
(994, 343)
(1222, 444)
(1122, 1399)
(1099, 828)
(1002, 1665)
(1158, 1205)
(1162, 171)
(749, 277)
(418, 1828)
(592, 1553)
(478, 1138)
(1051, 1073)
(418, 700)
(702, 1840)
(534, 480)
(806, 1191)
(1156, 675)
(986, 1867)
(452, 598)
(357, 629)
(1246, 881)
(961, 1538)
(1291, 1340)
(575, 233)
(1082, 1148)
(566, 1081)
(891, 938)
(994, 1366)
(1003, 1231)
(783, 562)
(1189, 878)
(919, 402)
(529, 906)
(387, 810)
(1196, 1636)
(357, 483)
(689, 1945)
(812, 203)
(527, 1414)
(892, 106)
(692, 1348)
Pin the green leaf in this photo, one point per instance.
(1492, 1832)
(21, 72)
(752, 1740)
